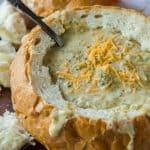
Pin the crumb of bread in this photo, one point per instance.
(7, 54)
(12, 135)
(12, 24)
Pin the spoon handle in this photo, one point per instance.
(21, 6)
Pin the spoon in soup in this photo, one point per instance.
(21, 6)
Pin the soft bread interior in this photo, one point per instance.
(78, 29)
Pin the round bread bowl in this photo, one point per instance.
(40, 104)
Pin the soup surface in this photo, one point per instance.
(100, 69)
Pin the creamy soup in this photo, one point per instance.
(100, 69)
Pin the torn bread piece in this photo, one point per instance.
(12, 135)
(7, 54)
(12, 24)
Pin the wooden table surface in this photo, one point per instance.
(5, 95)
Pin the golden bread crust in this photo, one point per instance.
(46, 7)
(79, 133)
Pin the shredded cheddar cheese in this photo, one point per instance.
(93, 87)
(103, 53)
(101, 56)
(74, 80)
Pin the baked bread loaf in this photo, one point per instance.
(45, 7)
(94, 93)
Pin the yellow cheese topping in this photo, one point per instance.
(102, 57)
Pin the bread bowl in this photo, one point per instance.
(45, 7)
(94, 92)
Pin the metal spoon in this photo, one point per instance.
(21, 6)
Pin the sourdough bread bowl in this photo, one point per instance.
(94, 92)
(45, 7)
